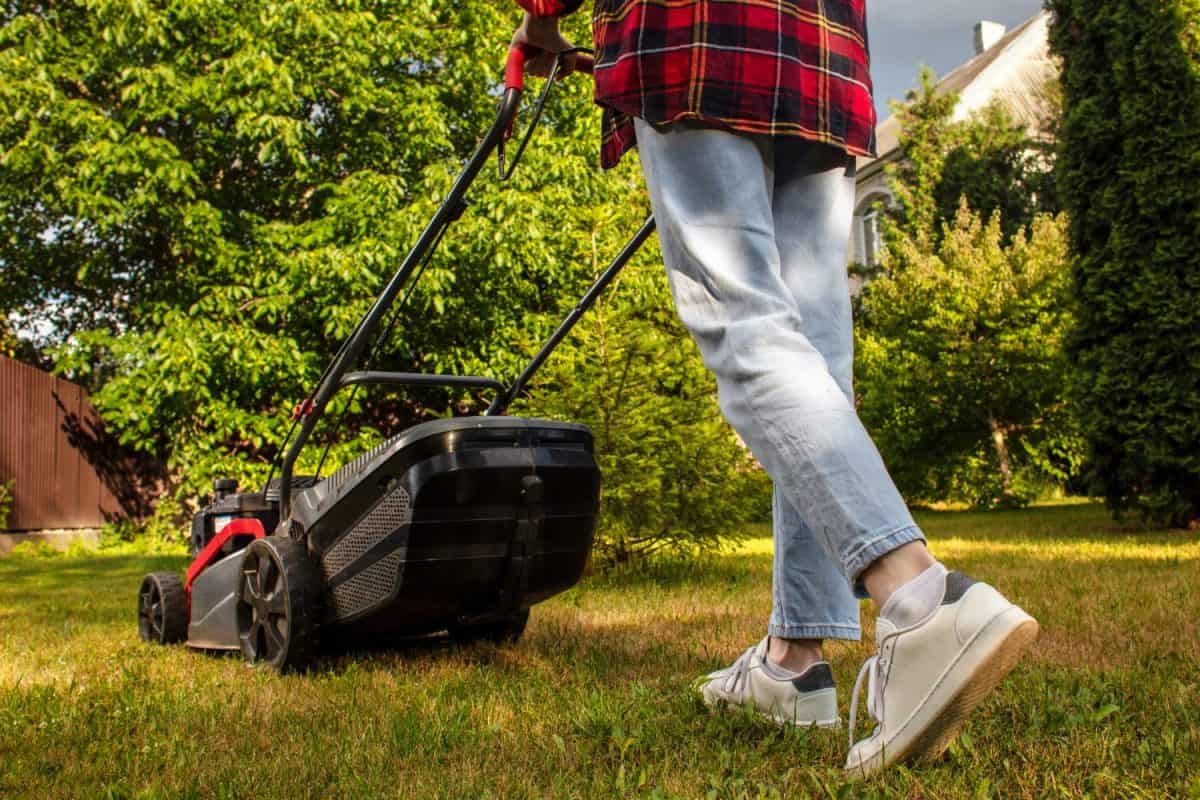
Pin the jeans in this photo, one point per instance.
(754, 232)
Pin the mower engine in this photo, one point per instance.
(229, 505)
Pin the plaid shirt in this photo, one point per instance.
(778, 67)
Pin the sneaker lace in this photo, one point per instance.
(873, 671)
(739, 670)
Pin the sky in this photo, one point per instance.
(905, 34)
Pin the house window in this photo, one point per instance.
(871, 242)
(868, 239)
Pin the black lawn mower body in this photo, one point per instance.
(457, 525)
(451, 523)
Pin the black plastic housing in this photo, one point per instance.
(455, 520)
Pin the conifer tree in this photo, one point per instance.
(1129, 174)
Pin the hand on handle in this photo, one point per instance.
(543, 38)
(522, 55)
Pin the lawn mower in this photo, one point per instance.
(456, 525)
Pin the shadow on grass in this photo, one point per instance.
(603, 655)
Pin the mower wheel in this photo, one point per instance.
(278, 604)
(162, 608)
(505, 631)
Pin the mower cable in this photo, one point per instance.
(538, 108)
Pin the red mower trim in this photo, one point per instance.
(246, 526)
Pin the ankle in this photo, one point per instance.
(794, 655)
(892, 570)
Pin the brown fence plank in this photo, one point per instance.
(55, 486)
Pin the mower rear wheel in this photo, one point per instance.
(162, 608)
(505, 631)
(278, 604)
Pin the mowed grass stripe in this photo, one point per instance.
(594, 701)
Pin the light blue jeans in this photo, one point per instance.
(754, 232)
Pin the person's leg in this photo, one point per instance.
(810, 598)
(944, 639)
(812, 205)
(925, 677)
(716, 227)
(717, 233)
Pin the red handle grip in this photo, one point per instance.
(514, 70)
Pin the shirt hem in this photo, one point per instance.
(608, 161)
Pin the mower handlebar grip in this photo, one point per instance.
(514, 70)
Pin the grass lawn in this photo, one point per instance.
(594, 701)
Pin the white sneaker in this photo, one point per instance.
(809, 699)
(928, 677)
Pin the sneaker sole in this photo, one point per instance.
(823, 724)
(981, 665)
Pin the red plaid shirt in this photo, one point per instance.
(779, 67)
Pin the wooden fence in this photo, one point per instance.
(55, 487)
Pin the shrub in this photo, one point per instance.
(960, 362)
(6, 503)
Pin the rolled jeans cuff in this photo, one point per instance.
(866, 554)
(850, 633)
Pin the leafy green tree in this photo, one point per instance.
(960, 336)
(960, 362)
(927, 135)
(999, 166)
(988, 158)
(1129, 173)
(200, 199)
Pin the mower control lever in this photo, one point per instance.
(421, 379)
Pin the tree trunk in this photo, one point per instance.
(1000, 443)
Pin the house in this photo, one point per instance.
(1013, 67)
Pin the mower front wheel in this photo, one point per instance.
(162, 609)
(278, 604)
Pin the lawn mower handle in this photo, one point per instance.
(514, 70)
(450, 210)
(353, 348)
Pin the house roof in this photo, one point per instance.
(1018, 70)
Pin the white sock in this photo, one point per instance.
(917, 599)
(778, 671)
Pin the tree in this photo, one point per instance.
(927, 135)
(988, 158)
(1129, 174)
(999, 167)
(959, 338)
(200, 198)
(960, 362)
